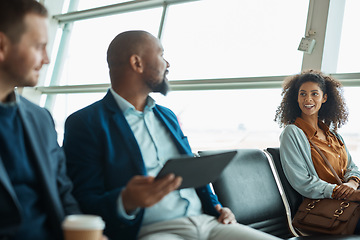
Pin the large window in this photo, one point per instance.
(350, 38)
(226, 119)
(85, 62)
(206, 39)
(347, 63)
(202, 39)
(351, 131)
(209, 39)
(227, 57)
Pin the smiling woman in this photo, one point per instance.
(310, 99)
(320, 112)
(315, 97)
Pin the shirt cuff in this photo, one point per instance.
(356, 179)
(122, 212)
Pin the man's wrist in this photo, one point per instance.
(122, 210)
(129, 208)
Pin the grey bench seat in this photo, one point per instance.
(254, 187)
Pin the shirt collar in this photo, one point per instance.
(125, 106)
(308, 129)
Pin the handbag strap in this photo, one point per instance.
(327, 162)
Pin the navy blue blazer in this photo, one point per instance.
(103, 155)
(50, 161)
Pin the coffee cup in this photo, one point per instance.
(83, 227)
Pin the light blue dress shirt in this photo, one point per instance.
(156, 146)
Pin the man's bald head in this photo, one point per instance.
(124, 45)
(136, 61)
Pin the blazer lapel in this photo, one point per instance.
(182, 145)
(125, 131)
(43, 165)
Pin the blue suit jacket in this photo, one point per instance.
(103, 155)
(50, 161)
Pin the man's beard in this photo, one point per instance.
(162, 87)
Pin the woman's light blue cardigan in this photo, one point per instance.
(299, 169)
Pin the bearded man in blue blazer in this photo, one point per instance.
(116, 146)
(35, 192)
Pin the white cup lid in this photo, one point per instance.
(83, 221)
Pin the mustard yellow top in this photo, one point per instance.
(333, 148)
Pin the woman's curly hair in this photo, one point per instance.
(333, 112)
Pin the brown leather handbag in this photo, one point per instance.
(329, 216)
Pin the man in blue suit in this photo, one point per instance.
(116, 146)
(35, 192)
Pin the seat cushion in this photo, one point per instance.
(248, 188)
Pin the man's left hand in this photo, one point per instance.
(226, 215)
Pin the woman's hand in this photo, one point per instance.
(355, 196)
(352, 183)
(343, 191)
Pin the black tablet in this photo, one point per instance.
(197, 171)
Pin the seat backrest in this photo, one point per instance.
(247, 186)
(294, 198)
